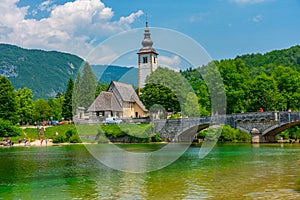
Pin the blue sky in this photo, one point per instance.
(225, 28)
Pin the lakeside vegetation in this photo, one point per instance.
(270, 81)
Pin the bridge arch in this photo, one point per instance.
(276, 129)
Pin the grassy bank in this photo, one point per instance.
(127, 133)
(139, 133)
(59, 134)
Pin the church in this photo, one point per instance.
(121, 100)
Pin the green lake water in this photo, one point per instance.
(230, 171)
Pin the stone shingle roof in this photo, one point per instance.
(106, 101)
(128, 93)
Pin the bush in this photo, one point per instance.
(156, 138)
(7, 129)
(70, 133)
(228, 134)
(69, 136)
(75, 139)
(60, 139)
(174, 116)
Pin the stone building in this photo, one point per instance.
(120, 100)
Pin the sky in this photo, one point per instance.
(224, 28)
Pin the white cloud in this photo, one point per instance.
(47, 5)
(72, 27)
(130, 19)
(248, 1)
(170, 62)
(257, 18)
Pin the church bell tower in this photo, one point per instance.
(147, 59)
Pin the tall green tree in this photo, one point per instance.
(236, 79)
(67, 109)
(157, 94)
(264, 93)
(288, 81)
(76, 91)
(8, 105)
(199, 86)
(56, 105)
(42, 110)
(7, 129)
(25, 105)
(85, 87)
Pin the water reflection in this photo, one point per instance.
(229, 171)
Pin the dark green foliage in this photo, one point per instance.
(156, 138)
(266, 62)
(135, 133)
(270, 81)
(25, 105)
(85, 88)
(44, 72)
(67, 109)
(56, 105)
(8, 104)
(170, 90)
(101, 87)
(70, 135)
(228, 134)
(112, 130)
(60, 139)
(288, 83)
(293, 133)
(7, 129)
(42, 110)
(161, 95)
(263, 93)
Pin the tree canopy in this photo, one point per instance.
(8, 104)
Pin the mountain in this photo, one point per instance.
(106, 74)
(45, 72)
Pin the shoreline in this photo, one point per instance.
(37, 143)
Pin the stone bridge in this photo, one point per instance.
(263, 127)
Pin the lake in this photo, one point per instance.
(229, 171)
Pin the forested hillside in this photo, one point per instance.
(266, 62)
(45, 72)
(270, 81)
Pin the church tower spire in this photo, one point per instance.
(147, 58)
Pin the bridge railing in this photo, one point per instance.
(288, 117)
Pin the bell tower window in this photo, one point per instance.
(145, 59)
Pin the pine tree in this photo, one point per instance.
(88, 84)
(67, 112)
(76, 92)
